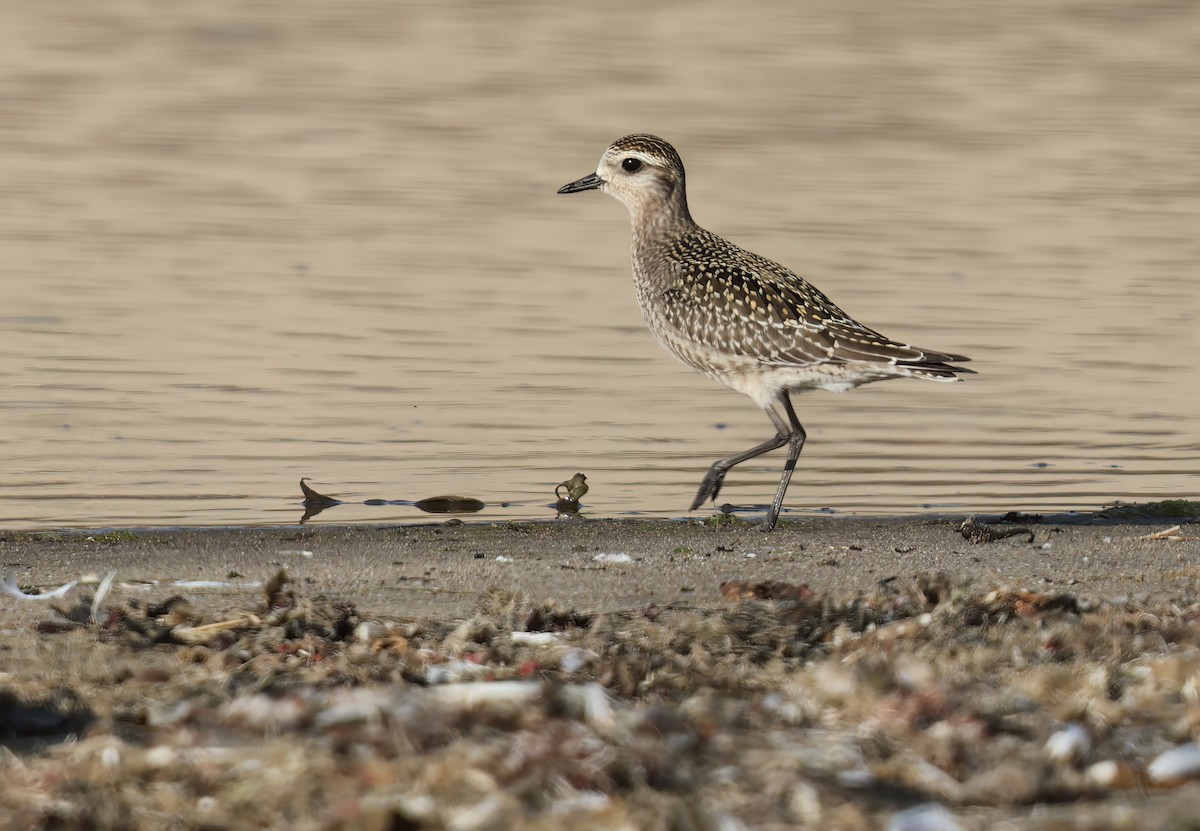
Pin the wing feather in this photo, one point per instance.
(736, 302)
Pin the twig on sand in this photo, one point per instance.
(1171, 534)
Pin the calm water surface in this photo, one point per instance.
(244, 245)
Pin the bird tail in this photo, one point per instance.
(937, 366)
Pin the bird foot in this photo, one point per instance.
(710, 487)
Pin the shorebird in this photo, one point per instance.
(737, 317)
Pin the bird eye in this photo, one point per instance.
(631, 165)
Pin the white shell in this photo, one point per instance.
(1111, 775)
(1069, 744)
(927, 817)
(1178, 763)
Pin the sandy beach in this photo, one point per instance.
(605, 674)
(440, 570)
(249, 243)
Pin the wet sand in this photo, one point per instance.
(604, 674)
(440, 570)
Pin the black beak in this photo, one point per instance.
(589, 182)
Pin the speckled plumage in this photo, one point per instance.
(735, 316)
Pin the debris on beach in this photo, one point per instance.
(927, 817)
(724, 518)
(767, 590)
(909, 706)
(98, 617)
(1172, 534)
(1069, 745)
(979, 532)
(57, 715)
(86, 611)
(1175, 766)
(9, 586)
(1022, 517)
(1166, 509)
(1026, 604)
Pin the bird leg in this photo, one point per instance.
(791, 434)
(795, 442)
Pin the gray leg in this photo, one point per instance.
(795, 441)
(787, 432)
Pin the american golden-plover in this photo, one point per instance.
(739, 318)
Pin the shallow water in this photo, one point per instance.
(243, 246)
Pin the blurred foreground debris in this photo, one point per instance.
(779, 707)
(9, 586)
(767, 590)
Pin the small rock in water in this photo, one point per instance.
(450, 505)
(573, 489)
(567, 495)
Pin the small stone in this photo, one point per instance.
(1068, 745)
(1005, 784)
(1111, 775)
(1175, 765)
(110, 756)
(804, 803)
(368, 631)
(160, 756)
(927, 817)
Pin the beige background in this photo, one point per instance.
(246, 242)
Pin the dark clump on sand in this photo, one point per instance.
(605, 675)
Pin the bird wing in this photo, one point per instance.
(739, 303)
